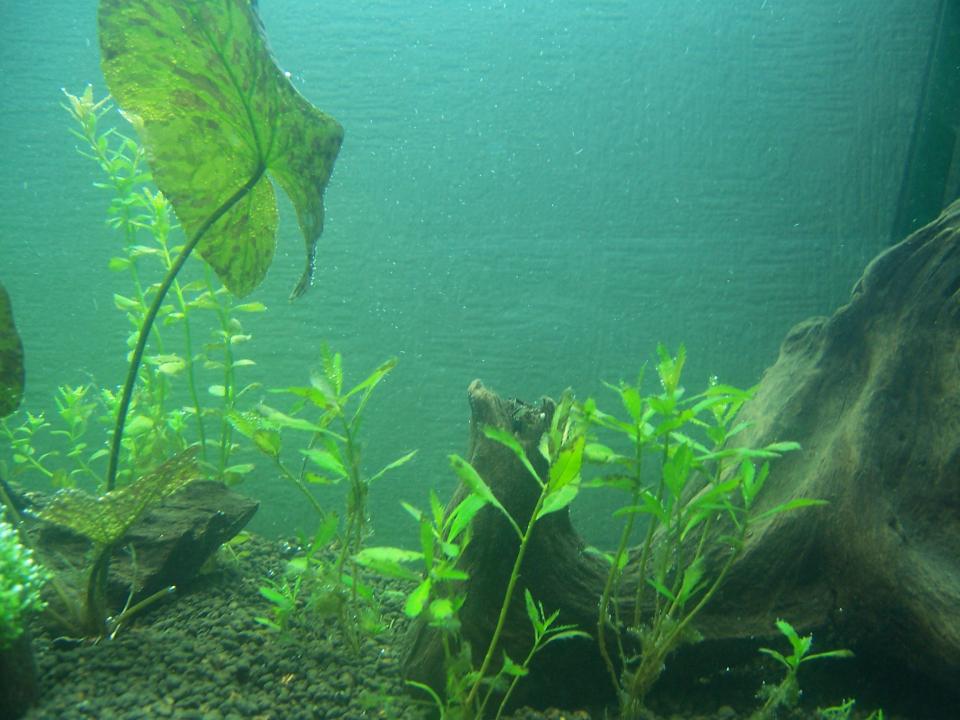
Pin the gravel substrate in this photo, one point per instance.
(202, 656)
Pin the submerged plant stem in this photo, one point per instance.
(151, 315)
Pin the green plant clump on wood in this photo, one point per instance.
(699, 504)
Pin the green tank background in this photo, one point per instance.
(530, 193)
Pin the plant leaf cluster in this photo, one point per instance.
(786, 694)
(695, 488)
(331, 415)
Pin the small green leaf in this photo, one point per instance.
(601, 454)
(241, 469)
(650, 504)
(126, 304)
(267, 441)
(565, 469)
(567, 635)
(829, 654)
(794, 504)
(662, 589)
(461, 516)
(318, 479)
(632, 402)
(782, 447)
(509, 441)
(373, 379)
(442, 609)
(275, 597)
(217, 391)
(428, 542)
(282, 420)
(391, 466)
(251, 307)
(558, 499)
(691, 580)
(325, 460)
(417, 600)
(448, 573)
(389, 561)
(533, 612)
(268, 623)
(678, 469)
(511, 668)
(138, 425)
(466, 472)
(777, 656)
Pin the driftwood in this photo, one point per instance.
(873, 396)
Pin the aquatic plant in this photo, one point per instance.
(21, 580)
(332, 456)
(696, 487)
(844, 710)
(787, 693)
(439, 594)
(59, 447)
(155, 430)
(217, 118)
(283, 603)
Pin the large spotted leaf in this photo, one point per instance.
(214, 112)
(11, 359)
(105, 519)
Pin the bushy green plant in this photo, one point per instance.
(21, 580)
(212, 159)
(218, 181)
(786, 694)
(69, 447)
(331, 415)
(439, 593)
(693, 485)
(282, 597)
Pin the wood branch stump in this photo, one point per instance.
(873, 396)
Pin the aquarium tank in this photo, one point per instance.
(478, 360)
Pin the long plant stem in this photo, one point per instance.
(151, 315)
(507, 598)
(613, 577)
(188, 349)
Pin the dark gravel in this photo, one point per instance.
(202, 656)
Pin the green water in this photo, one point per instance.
(534, 194)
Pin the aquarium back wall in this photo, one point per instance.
(534, 194)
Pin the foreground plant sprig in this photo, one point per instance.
(331, 414)
(787, 693)
(439, 592)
